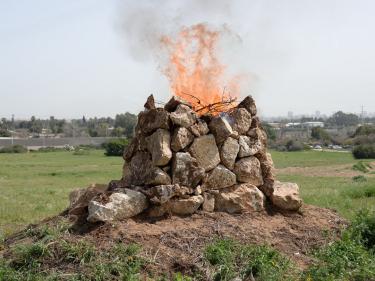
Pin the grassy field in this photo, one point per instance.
(36, 185)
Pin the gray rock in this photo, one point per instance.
(153, 119)
(162, 193)
(185, 207)
(186, 170)
(248, 146)
(204, 149)
(239, 198)
(209, 202)
(200, 128)
(268, 173)
(172, 104)
(159, 146)
(150, 103)
(181, 138)
(229, 151)
(79, 198)
(248, 170)
(241, 119)
(121, 205)
(221, 129)
(158, 177)
(139, 169)
(286, 196)
(184, 116)
(220, 177)
(249, 104)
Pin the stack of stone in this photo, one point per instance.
(179, 162)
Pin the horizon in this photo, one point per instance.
(76, 58)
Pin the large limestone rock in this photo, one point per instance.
(248, 146)
(120, 205)
(199, 129)
(286, 196)
(175, 101)
(220, 177)
(187, 206)
(184, 116)
(239, 198)
(162, 193)
(186, 170)
(249, 104)
(79, 198)
(221, 129)
(248, 170)
(153, 119)
(158, 177)
(137, 172)
(228, 152)
(159, 145)
(268, 172)
(181, 138)
(204, 149)
(241, 120)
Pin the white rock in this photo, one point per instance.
(286, 196)
(121, 205)
(204, 149)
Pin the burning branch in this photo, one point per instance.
(225, 105)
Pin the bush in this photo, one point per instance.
(115, 147)
(14, 149)
(293, 145)
(364, 151)
(352, 257)
(362, 167)
(359, 178)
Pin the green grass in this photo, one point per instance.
(310, 158)
(36, 185)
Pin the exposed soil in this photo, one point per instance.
(177, 244)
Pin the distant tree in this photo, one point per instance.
(270, 131)
(35, 125)
(319, 133)
(364, 130)
(342, 119)
(126, 121)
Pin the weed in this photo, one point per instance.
(233, 260)
(29, 256)
(77, 252)
(359, 178)
(362, 167)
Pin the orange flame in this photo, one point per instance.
(194, 71)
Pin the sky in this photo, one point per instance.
(98, 58)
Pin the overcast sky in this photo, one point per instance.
(70, 58)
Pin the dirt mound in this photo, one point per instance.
(177, 243)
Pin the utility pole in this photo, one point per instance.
(362, 115)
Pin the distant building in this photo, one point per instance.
(313, 124)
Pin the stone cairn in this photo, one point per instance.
(179, 163)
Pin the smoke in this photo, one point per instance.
(143, 23)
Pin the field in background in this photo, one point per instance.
(36, 185)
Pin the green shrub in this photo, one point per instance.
(345, 259)
(364, 151)
(293, 145)
(362, 167)
(363, 228)
(359, 178)
(14, 149)
(115, 147)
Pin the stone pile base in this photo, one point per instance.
(179, 162)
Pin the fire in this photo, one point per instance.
(195, 72)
